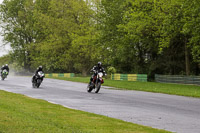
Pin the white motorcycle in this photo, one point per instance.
(38, 79)
(96, 83)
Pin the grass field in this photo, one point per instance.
(21, 114)
(173, 89)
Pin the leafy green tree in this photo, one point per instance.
(109, 15)
(140, 36)
(66, 34)
(4, 60)
(191, 26)
(177, 29)
(16, 16)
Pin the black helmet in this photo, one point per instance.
(99, 64)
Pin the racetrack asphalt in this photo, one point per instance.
(169, 112)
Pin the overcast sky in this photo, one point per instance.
(3, 50)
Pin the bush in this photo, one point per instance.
(111, 70)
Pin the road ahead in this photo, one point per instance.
(172, 113)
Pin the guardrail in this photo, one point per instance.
(129, 77)
(180, 79)
(67, 75)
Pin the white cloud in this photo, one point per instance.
(1, 1)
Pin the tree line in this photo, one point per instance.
(133, 36)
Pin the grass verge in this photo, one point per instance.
(173, 89)
(21, 114)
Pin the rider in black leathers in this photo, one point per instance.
(5, 67)
(36, 73)
(97, 69)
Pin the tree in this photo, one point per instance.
(109, 15)
(66, 34)
(16, 16)
(178, 26)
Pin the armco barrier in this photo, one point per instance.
(129, 77)
(67, 75)
(181, 79)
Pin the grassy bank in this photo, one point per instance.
(21, 114)
(173, 89)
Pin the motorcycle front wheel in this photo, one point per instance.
(97, 87)
(38, 82)
(2, 78)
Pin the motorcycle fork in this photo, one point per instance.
(97, 80)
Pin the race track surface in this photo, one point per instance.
(172, 113)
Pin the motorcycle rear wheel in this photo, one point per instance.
(89, 88)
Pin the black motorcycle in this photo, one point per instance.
(38, 79)
(96, 83)
(4, 74)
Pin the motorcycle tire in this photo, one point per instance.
(33, 85)
(97, 87)
(38, 83)
(89, 88)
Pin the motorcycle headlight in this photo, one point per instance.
(100, 75)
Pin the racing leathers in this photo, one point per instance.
(95, 71)
(4, 67)
(36, 73)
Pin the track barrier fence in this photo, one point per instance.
(180, 79)
(129, 77)
(67, 75)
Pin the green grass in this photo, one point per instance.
(173, 89)
(21, 114)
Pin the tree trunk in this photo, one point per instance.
(84, 72)
(187, 59)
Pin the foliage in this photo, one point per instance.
(155, 36)
(140, 36)
(111, 70)
(66, 37)
(16, 16)
(56, 34)
(4, 60)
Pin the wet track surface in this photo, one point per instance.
(172, 113)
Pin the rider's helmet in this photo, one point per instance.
(99, 64)
(2, 65)
(6, 65)
(40, 67)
